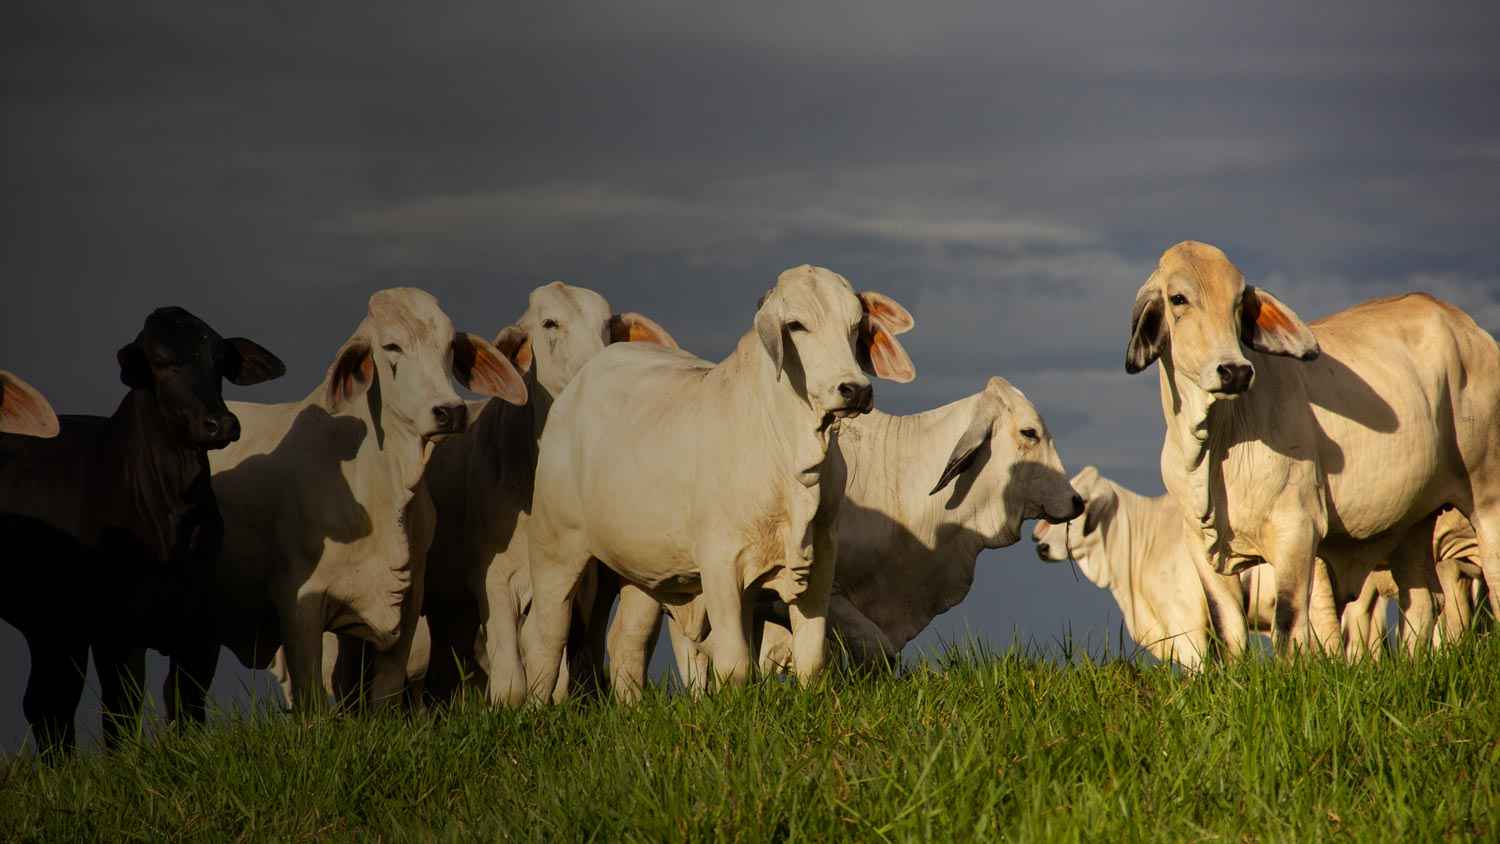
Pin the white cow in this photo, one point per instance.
(1277, 453)
(906, 553)
(326, 520)
(23, 410)
(688, 477)
(478, 572)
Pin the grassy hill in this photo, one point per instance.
(975, 745)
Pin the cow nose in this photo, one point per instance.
(1235, 378)
(450, 418)
(1077, 506)
(220, 428)
(857, 396)
(1041, 550)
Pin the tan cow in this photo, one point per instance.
(24, 410)
(906, 553)
(326, 519)
(688, 477)
(1345, 438)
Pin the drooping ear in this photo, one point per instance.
(1102, 503)
(351, 372)
(135, 372)
(1267, 325)
(988, 409)
(515, 343)
(886, 311)
(880, 353)
(1148, 332)
(246, 362)
(24, 410)
(481, 367)
(631, 327)
(769, 326)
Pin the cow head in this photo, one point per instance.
(824, 337)
(182, 363)
(403, 353)
(23, 410)
(1007, 457)
(1197, 309)
(564, 327)
(1082, 539)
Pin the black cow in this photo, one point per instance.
(112, 523)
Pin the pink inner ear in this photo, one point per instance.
(1271, 318)
(888, 357)
(886, 311)
(349, 379)
(492, 374)
(523, 356)
(23, 410)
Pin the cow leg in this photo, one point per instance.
(1457, 612)
(637, 621)
(185, 691)
(122, 677)
(862, 639)
(1356, 619)
(1416, 580)
(725, 604)
(809, 612)
(444, 669)
(587, 646)
(53, 689)
(1323, 609)
(1294, 560)
(388, 668)
(302, 640)
(1485, 517)
(1226, 605)
(502, 647)
(692, 662)
(556, 569)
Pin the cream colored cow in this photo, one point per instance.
(688, 477)
(478, 572)
(906, 549)
(326, 519)
(1344, 439)
(24, 410)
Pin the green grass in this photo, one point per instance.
(978, 745)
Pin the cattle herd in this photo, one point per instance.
(383, 540)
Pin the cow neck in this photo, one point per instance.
(1194, 447)
(787, 419)
(1129, 549)
(157, 480)
(402, 453)
(903, 442)
(509, 436)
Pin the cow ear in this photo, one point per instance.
(1148, 332)
(632, 327)
(1102, 503)
(135, 372)
(886, 311)
(351, 372)
(515, 343)
(1267, 325)
(23, 410)
(880, 353)
(769, 327)
(481, 367)
(986, 411)
(1085, 480)
(247, 362)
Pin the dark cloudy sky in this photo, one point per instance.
(1009, 174)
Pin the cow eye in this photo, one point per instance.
(794, 325)
(549, 323)
(1030, 434)
(392, 348)
(1178, 300)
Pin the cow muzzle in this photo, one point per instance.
(1233, 378)
(857, 399)
(449, 419)
(217, 430)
